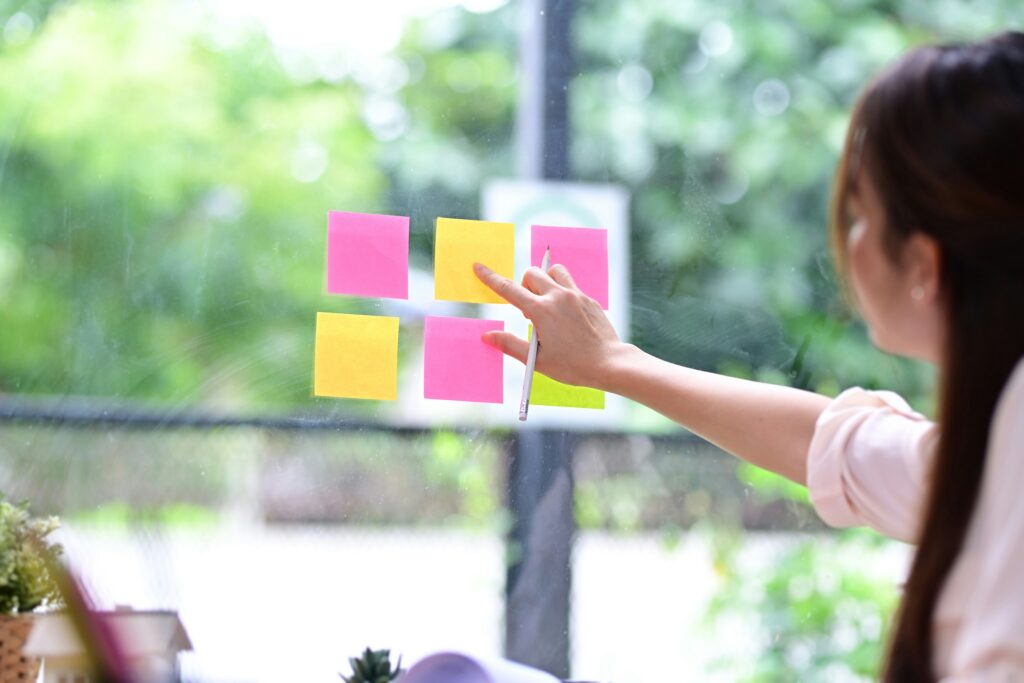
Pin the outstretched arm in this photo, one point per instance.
(770, 426)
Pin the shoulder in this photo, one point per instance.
(868, 462)
(870, 423)
(857, 398)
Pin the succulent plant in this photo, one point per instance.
(373, 666)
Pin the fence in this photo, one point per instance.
(87, 459)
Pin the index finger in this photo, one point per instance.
(520, 297)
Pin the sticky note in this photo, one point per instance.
(549, 392)
(457, 365)
(356, 356)
(368, 254)
(458, 244)
(584, 251)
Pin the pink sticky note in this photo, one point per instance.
(457, 365)
(584, 251)
(368, 254)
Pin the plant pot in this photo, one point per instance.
(14, 666)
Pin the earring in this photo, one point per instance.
(917, 292)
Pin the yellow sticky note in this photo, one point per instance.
(356, 356)
(458, 244)
(549, 392)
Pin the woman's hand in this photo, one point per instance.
(770, 426)
(577, 342)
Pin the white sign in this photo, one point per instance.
(524, 203)
(539, 202)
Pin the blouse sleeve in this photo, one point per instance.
(868, 463)
(991, 645)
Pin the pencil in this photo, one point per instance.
(531, 357)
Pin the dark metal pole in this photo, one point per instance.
(539, 578)
(546, 68)
(558, 69)
(539, 573)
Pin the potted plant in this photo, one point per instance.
(373, 666)
(26, 584)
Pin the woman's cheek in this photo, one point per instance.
(865, 279)
(855, 248)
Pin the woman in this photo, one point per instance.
(928, 228)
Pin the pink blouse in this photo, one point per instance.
(868, 465)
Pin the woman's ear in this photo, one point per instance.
(922, 262)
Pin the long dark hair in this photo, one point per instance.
(941, 136)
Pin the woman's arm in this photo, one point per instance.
(765, 424)
(768, 425)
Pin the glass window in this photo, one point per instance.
(166, 171)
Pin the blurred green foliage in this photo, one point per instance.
(726, 120)
(194, 478)
(165, 174)
(120, 515)
(819, 611)
(164, 194)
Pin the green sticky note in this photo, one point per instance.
(549, 392)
